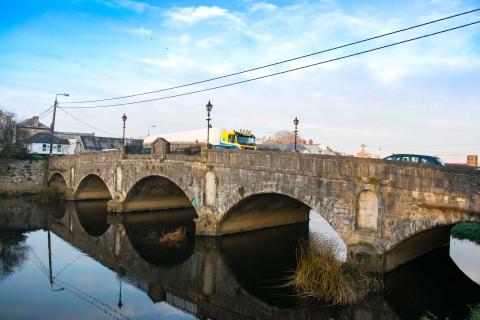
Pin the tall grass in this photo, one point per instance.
(469, 231)
(475, 312)
(49, 194)
(320, 275)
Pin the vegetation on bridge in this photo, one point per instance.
(321, 275)
(469, 231)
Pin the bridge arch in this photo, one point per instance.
(262, 210)
(416, 245)
(155, 192)
(92, 187)
(59, 181)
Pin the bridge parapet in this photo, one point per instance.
(372, 171)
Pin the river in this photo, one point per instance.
(74, 261)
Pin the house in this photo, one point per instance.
(29, 128)
(40, 144)
(91, 143)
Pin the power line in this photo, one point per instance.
(88, 125)
(41, 114)
(275, 63)
(278, 73)
(45, 115)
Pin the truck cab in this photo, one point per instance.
(236, 140)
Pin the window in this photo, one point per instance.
(59, 147)
(44, 147)
(231, 138)
(428, 160)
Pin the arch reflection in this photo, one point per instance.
(263, 260)
(92, 216)
(164, 237)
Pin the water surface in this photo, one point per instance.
(74, 261)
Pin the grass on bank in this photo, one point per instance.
(473, 315)
(321, 275)
(48, 194)
(469, 231)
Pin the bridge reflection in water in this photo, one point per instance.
(232, 277)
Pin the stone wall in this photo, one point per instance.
(22, 176)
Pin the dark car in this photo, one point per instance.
(416, 158)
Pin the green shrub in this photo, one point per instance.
(475, 312)
(469, 231)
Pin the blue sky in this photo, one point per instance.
(419, 97)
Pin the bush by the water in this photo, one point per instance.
(474, 314)
(470, 231)
(49, 194)
(321, 275)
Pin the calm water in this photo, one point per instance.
(73, 261)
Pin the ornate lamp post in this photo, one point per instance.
(124, 118)
(209, 108)
(295, 122)
(52, 128)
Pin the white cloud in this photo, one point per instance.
(194, 15)
(263, 6)
(136, 6)
(185, 39)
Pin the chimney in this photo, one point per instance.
(35, 121)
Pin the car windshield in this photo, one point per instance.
(246, 140)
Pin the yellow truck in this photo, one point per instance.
(241, 139)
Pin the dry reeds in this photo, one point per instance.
(320, 275)
(176, 235)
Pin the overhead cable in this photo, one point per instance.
(275, 63)
(277, 73)
(88, 125)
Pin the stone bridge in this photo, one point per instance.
(396, 210)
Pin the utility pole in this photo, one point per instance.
(52, 128)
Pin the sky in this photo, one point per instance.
(418, 97)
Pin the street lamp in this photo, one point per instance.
(295, 122)
(148, 131)
(52, 128)
(124, 118)
(209, 108)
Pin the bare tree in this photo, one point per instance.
(7, 128)
(284, 137)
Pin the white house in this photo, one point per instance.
(40, 144)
